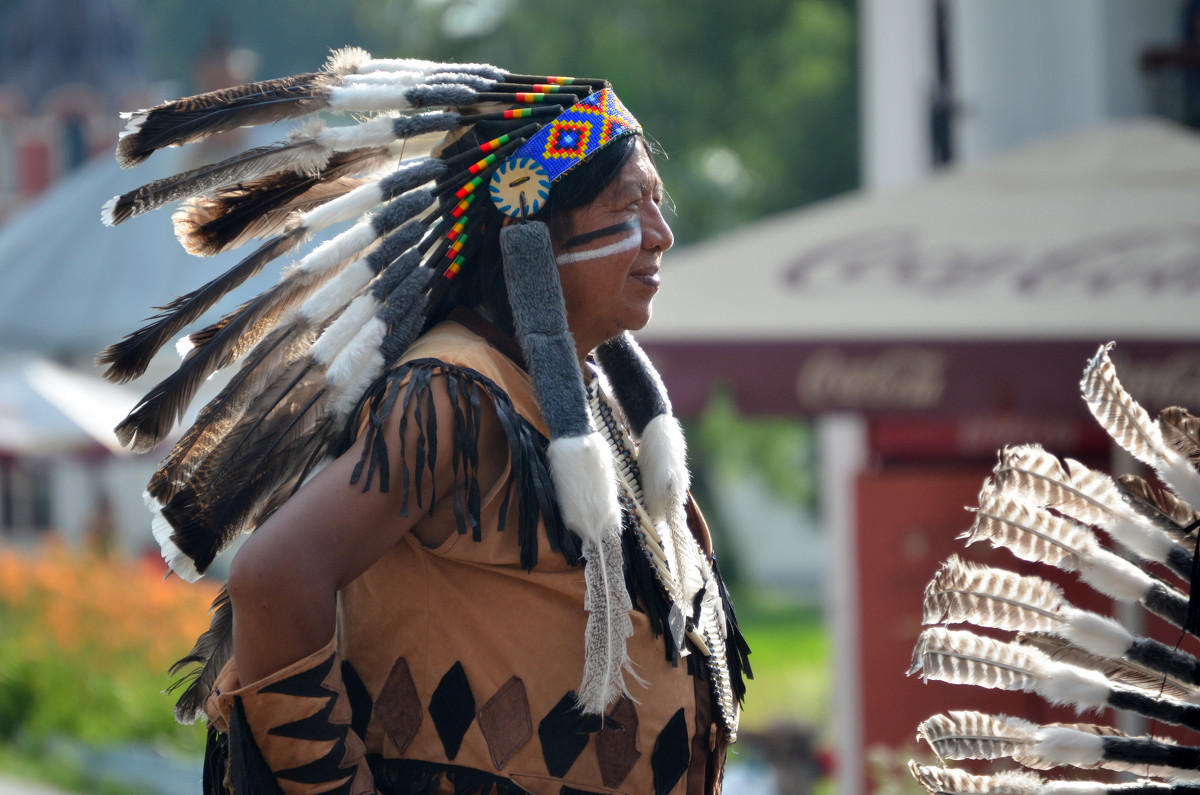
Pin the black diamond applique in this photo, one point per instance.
(360, 699)
(562, 742)
(452, 709)
(669, 760)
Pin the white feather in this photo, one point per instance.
(106, 212)
(606, 654)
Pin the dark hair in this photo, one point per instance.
(480, 285)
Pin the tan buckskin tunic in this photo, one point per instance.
(470, 659)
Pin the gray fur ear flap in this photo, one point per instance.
(580, 462)
(580, 459)
(662, 453)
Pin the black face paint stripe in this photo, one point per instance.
(588, 237)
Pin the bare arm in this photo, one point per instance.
(284, 580)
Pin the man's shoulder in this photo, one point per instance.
(455, 344)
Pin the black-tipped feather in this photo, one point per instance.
(212, 650)
(279, 350)
(195, 118)
(1159, 504)
(164, 405)
(275, 438)
(1181, 431)
(303, 156)
(233, 215)
(129, 358)
(203, 228)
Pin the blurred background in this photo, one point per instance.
(902, 228)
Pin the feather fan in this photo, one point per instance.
(1040, 507)
(1131, 427)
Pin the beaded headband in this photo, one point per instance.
(521, 185)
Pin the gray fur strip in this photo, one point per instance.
(540, 318)
(410, 176)
(461, 78)
(395, 270)
(422, 123)
(636, 384)
(393, 246)
(401, 209)
(425, 96)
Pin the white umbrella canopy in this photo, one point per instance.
(47, 409)
(981, 291)
(1090, 236)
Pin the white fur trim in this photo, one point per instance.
(347, 60)
(1069, 746)
(397, 77)
(376, 132)
(1180, 476)
(336, 293)
(397, 65)
(358, 364)
(662, 459)
(344, 329)
(582, 469)
(1069, 684)
(335, 250)
(1115, 577)
(1096, 633)
(1074, 788)
(369, 98)
(351, 205)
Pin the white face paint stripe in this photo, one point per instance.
(631, 241)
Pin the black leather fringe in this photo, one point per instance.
(536, 500)
(645, 592)
(737, 651)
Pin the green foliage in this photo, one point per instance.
(791, 657)
(755, 104)
(776, 450)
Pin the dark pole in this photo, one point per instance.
(941, 101)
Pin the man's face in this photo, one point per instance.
(610, 254)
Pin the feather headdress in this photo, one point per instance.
(423, 187)
(1045, 509)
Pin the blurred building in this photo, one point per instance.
(66, 68)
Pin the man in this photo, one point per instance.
(465, 575)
